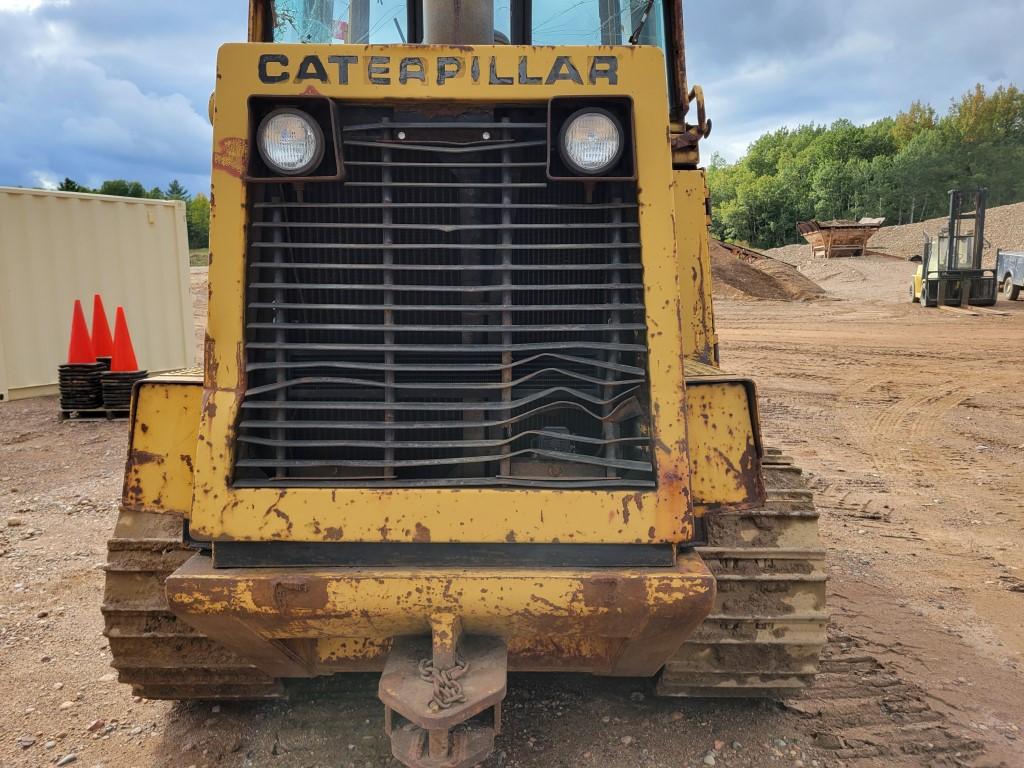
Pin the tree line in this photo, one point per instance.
(197, 206)
(898, 167)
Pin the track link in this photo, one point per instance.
(156, 653)
(766, 631)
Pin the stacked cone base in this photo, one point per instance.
(79, 386)
(117, 388)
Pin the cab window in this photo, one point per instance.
(377, 22)
(596, 22)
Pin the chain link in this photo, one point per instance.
(447, 688)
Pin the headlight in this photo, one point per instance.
(591, 141)
(290, 142)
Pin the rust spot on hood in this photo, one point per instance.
(209, 362)
(637, 499)
(748, 473)
(138, 458)
(422, 535)
(231, 156)
(275, 510)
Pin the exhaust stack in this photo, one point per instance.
(458, 22)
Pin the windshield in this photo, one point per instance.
(353, 21)
(555, 22)
(339, 21)
(596, 22)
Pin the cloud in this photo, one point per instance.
(106, 89)
(19, 6)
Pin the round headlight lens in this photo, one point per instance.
(591, 141)
(290, 142)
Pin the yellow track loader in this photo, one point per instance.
(461, 411)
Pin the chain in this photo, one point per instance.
(447, 688)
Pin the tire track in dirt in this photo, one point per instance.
(906, 430)
(869, 715)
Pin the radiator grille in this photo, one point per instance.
(447, 316)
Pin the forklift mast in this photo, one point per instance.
(956, 231)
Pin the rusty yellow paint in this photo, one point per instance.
(445, 515)
(699, 338)
(725, 450)
(621, 621)
(162, 445)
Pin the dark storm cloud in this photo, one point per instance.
(98, 89)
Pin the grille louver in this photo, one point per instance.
(445, 317)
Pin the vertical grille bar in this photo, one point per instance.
(281, 450)
(506, 295)
(389, 300)
(611, 429)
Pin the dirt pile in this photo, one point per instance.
(743, 273)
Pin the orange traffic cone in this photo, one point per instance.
(123, 359)
(78, 380)
(80, 351)
(102, 343)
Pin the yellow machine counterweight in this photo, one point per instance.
(461, 411)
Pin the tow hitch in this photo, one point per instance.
(442, 696)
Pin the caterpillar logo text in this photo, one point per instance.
(383, 70)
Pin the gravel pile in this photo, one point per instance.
(1004, 228)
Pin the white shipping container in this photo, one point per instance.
(56, 247)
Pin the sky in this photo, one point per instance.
(101, 89)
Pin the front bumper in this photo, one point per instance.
(303, 622)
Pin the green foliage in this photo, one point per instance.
(197, 218)
(122, 188)
(899, 168)
(919, 118)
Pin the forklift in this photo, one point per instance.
(950, 273)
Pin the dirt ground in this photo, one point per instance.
(910, 424)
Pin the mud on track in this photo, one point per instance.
(910, 425)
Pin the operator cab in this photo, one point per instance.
(517, 22)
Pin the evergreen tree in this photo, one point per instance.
(175, 191)
(70, 185)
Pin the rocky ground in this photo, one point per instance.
(910, 424)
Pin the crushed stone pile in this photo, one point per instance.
(742, 273)
(1004, 229)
